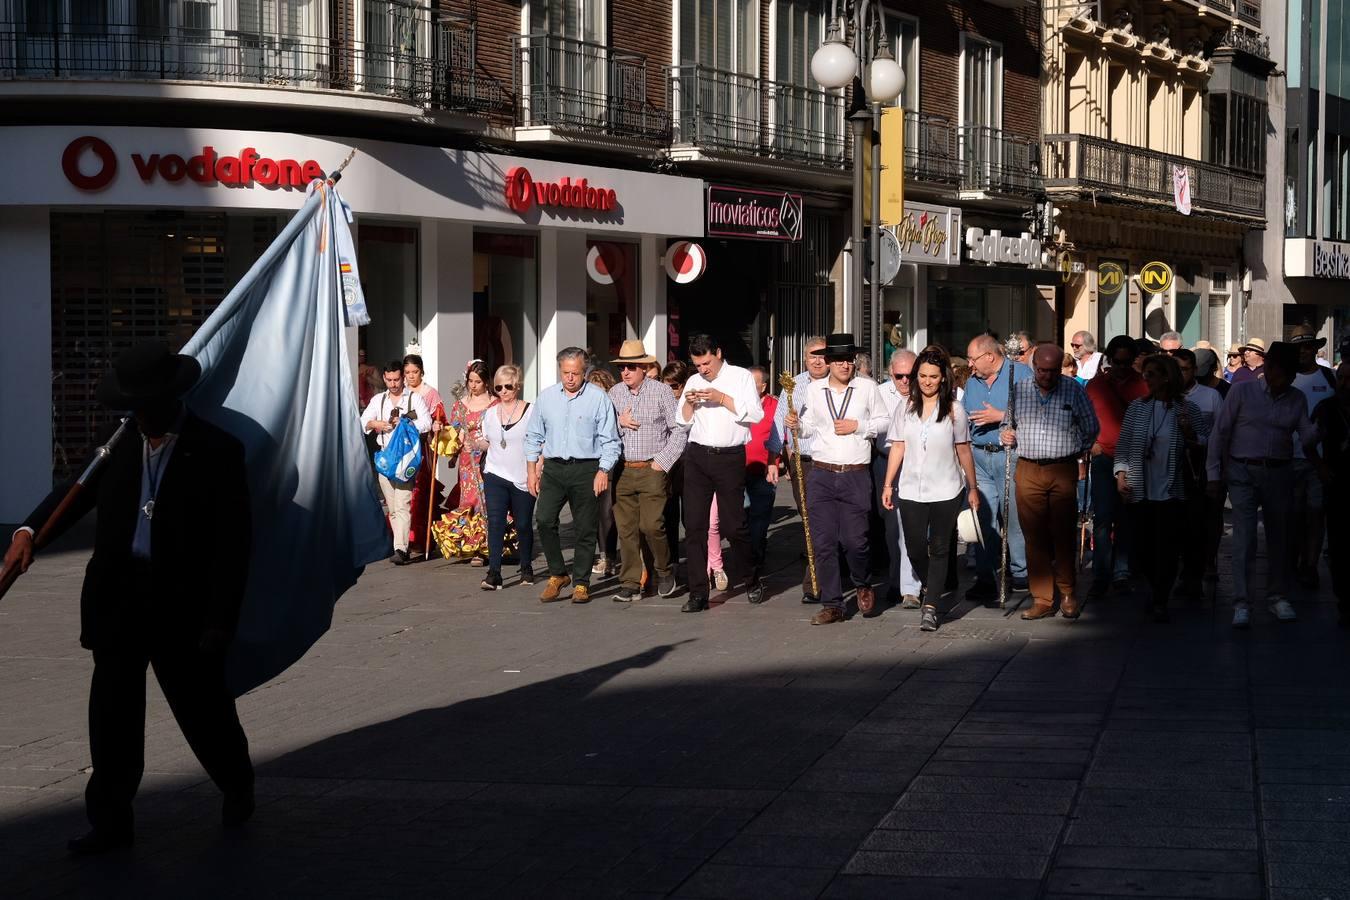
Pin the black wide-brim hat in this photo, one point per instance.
(838, 345)
(147, 373)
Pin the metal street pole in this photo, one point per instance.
(860, 121)
(872, 341)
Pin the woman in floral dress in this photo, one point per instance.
(426, 498)
(462, 532)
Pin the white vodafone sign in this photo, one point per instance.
(686, 262)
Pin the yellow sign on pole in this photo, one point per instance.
(892, 165)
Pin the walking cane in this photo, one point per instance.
(1085, 515)
(431, 498)
(44, 535)
(789, 383)
(1012, 348)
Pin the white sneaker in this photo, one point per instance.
(1242, 616)
(600, 566)
(719, 577)
(1282, 609)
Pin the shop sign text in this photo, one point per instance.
(925, 234)
(1155, 278)
(1330, 261)
(523, 192)
(206, 168)
(995, 247)
(761, 215)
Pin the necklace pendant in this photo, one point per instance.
(149, 510)
(503, 443)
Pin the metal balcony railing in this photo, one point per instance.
(456, 83)
(1225, 6)
(394, 60)
(585, 86)
(1109, 169)
(931, 155)
(1249, 11)
(996, 162)
(718, 110)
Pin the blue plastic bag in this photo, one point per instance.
(402, 453)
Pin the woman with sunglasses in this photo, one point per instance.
(504, 483)
(462, 532)
(930, 451)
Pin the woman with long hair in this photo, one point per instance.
(462, 532)
(930, 451)
(426, 497)
(504, 483)
(1155, 469)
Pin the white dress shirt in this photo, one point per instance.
(1088, 367)
(861, 401)
(891, 396)
(931, 472)
(713, 425)
(382, 404)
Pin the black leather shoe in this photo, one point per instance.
(400, 558)
(695, 603)
(96, 842)
(807, 598)
(237, 808)
(755, 593)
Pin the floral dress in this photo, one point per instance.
(462, 532)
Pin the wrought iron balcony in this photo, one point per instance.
(931, 155)
(1249, 11)
(1133, 174)
(584, 86)
(995, 162)
(456, 83)
(180, 41)
(724, 111)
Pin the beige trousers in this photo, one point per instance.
(398, 502)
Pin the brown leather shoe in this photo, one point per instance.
(828, 616)
(1070, 609)
(1039, 612)
(581, 594)
(867, 602)
(553, 589)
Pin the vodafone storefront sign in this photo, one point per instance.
(522, 192)
(90, 164)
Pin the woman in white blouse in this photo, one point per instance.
(503, 437)
(930, 451)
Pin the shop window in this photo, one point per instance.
(387, 257)
(956, 313)
(611, 297)
(902, 33)
(1220, 295)
(506, 303)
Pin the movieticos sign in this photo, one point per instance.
(758, 215)
(247, 169)
(523, 192)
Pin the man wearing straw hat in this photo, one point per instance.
(651, 446)
(1253, 361)
(163, 588)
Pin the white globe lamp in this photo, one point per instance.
(833, 65)
(885, 79)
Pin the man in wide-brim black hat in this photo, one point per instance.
(163, 588)
(841, 414)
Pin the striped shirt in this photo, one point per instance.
(653, 407)
(1147, 421)
(1054, 425)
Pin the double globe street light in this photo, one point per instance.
(876, 79)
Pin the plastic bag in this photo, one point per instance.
(402, 453)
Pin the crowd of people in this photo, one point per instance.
(1038, 458)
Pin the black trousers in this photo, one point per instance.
(839, 503)
(194, 684)
(1196, 527)
(928, 538)
(1156, 544)
(1337, 503)
(721, 474)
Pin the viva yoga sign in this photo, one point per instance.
(208, 168)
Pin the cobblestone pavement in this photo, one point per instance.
(442, 741)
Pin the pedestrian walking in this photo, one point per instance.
(840, 415)
(1253, 361)
(652, 444)
(1234, 362)
(1111, 393)
(1332, 418)
(719, 406)
(1084, 348)
(1203, 526)
(986, 403)
(1053, 428)
(1252, 449)
(815, 369)
(1206, 365)
(571, 447)
(426, 497)
(607, 532)
(761, 478)
(1307, 512)
(506, 476)
(930, 453)
(673, 376)
(462, 532)
(380, 417)
(903, 582)
(1155, 472)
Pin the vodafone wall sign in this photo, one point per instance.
(523, 192)
(91, 164)
(686, 262)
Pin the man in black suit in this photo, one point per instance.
(163, 588)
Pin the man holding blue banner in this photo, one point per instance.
(381, 417)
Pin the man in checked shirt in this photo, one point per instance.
(651, 446)
(1053, 428)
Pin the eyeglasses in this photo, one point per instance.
(627, 366)
(1234, 355)
(1076, 346)
(900, 377)
(498, 388)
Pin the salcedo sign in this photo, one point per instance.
(762, 215)
(209, 167)
(523, 192)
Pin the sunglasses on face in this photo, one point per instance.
(498, 388)
(627, 367)
(901, 377)
(1076, 346)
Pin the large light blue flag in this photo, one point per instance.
(275, 374)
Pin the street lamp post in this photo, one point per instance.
(876, 79)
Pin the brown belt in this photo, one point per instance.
(637, 463)
(831, 467)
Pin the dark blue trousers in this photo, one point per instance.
(502, 497)
(760, 495)
(839, 504)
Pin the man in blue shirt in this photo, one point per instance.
(570, 449)
(986, 402)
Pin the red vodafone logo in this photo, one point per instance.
(523, 192)
(209, 168)
(70, 163)
(685, 262)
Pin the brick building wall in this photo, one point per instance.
(644, 26)
(498, 23)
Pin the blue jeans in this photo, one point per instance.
(989, 556)
(759, 496)
(1110, 558)
(502, 496)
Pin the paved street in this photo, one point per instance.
(441, 741)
